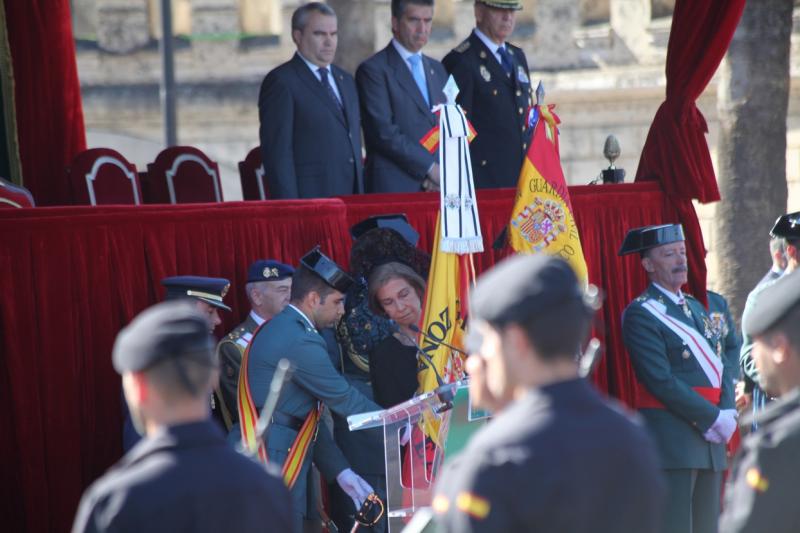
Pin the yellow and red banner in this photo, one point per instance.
(542, 219)
(446, 307)
(254, 444)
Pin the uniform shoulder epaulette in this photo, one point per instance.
(691, 297)
(238, 336)
(463, 47)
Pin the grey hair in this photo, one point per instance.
(301, 14)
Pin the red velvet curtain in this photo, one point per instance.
(47, 95)
(675, 152)
(73, 276)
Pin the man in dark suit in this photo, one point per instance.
(495, 92)
(308, 109)
(397, 88)
(685, 359)
(557, 455)
(182, 476)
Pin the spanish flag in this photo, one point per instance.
(542, 220)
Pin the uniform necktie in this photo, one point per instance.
(505, 60)
(323, 74)
(419, 76)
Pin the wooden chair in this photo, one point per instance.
(182, 174)
(100, 176)
(253, 177)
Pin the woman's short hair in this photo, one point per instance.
(386, 272)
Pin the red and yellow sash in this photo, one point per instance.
(248, 418)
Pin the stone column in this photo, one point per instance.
(629, 22)
(357, 35)
(553, 43)
(122, 25)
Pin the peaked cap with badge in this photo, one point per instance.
(208, 290)
(268, 270)
(497, 99)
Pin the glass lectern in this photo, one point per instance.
(412, 459)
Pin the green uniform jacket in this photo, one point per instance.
(666, 368)
(289, 335)
(229, 352)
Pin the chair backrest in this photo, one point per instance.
(103, 176)
(14, 196)
(183, 174)
(252, 176)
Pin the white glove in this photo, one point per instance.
(722, 430)
(354, 486)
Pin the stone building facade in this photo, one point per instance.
(601, 62)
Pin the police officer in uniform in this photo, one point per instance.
(317, 302)
(686, 364)
(207, 296)
(495, 92)
(557, 456)
(182, 476)
(269, 283)
(762, 493)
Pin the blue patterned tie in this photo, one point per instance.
(419, 76)
(505, 60)
(323, 74)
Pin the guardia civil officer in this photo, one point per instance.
(269, 283)
(557, 456)
(762, 492)
(786, 232)
(495, 92)
(182, 476)
(686, 364)
(317, 302)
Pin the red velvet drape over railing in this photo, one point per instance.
(675, 152)
(73, 276)
(47, 95)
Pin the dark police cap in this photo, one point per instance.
(772, 304)
(170, 329)
(787, 226)
(644, 238)
(524, 286)
(325, 268)
(208, 290)
(268, 270)
(397, 222)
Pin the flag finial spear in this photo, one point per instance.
(450, 90)
(540, 94)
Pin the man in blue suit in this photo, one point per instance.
(686, 361)
(308, 109)
(397, 88)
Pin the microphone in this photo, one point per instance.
(445, 396)
(415, 329)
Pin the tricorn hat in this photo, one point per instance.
(644, 238)
(397, 222)
(787, 226)
(327, 269)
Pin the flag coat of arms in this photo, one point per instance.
(542, 219)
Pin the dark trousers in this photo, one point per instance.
(692, 501)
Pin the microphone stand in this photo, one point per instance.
(444, 393)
